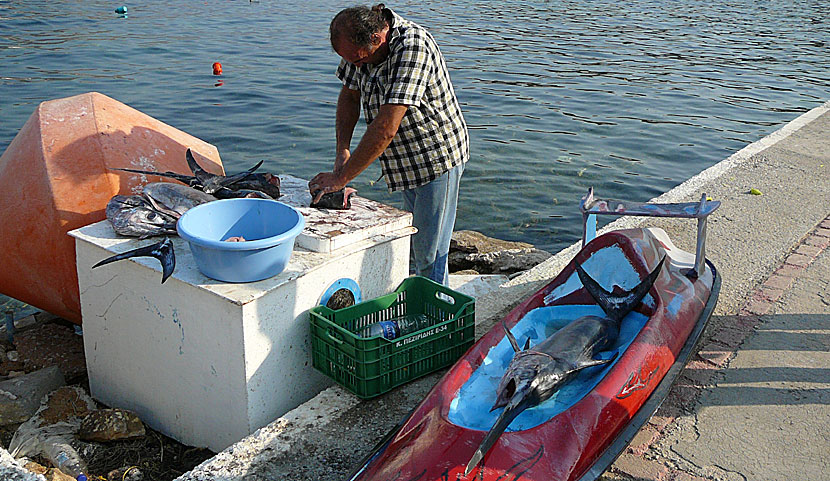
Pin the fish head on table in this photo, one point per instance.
(135, 216)
(338, 200)
(154, 212)
(174, 199)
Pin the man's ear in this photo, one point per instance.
(376, 39)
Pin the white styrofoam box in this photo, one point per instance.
(207, 362)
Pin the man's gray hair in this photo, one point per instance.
(357, 24)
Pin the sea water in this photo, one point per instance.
(631, 98)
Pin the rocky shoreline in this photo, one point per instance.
(472, 252)
(44, 393)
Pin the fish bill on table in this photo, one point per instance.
(163, 251)
(185, 179)
(535, 374)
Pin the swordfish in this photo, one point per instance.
(534, 375)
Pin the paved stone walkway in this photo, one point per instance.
(750, 403)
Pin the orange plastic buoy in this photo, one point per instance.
(56, 176)
(217, 68)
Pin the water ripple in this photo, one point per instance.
(631, 98)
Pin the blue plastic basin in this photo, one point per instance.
(269, 228)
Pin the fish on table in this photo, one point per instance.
(244, 184)
(135, 216)
(221, 185)
(175, 199)
(156, 210)
(340, 200)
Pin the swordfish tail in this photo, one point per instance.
(618, 306)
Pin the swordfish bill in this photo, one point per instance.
(163, 251)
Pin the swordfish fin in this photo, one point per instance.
(596, 362)
(163, 251)
(510, 337)
(232, 179)
(201, 174)
(618, 306)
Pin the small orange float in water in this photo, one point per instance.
(217, 68)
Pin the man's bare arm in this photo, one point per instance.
(348, 113)
(378, 136)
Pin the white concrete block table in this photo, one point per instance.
(207, 362)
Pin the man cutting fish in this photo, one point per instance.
(395, 71)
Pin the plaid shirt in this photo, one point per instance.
(432, 137)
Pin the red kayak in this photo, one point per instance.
(577, 433)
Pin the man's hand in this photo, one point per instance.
(323, 183)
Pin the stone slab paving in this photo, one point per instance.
(760, 411)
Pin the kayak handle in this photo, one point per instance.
(592, 207)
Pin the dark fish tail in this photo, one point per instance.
(232, 179)
(618, 306)
(201, 174)
(163, 251)
(226, 193)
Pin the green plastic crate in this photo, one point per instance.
(372, 366)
